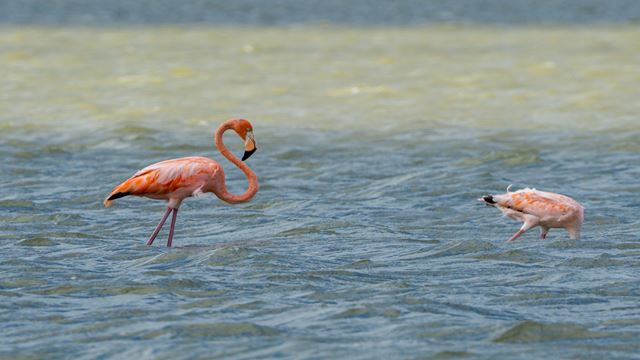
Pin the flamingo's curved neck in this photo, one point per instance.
(223, 193)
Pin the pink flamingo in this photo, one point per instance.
(177, 179)
(539, 208)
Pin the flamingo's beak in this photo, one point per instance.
(249, 145)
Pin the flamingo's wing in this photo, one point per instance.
(533, 202)
(164, 177)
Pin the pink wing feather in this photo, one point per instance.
(165, 177)
(538, 203)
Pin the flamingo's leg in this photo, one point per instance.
(529, 222)
(543, 233)
(157, 230)
(516, 235)
(173, 225)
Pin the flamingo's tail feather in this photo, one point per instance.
(488, 199)
(113, 196)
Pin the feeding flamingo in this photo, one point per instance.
(539, 208)
(177, 179)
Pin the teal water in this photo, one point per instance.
(366, 239)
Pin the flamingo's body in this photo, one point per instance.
(177, 179)
(539, 208)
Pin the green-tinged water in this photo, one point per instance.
(366, 239)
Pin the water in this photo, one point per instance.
(287, 12)
(366, 239)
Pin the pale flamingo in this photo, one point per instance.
(177, 179)
(539, 208)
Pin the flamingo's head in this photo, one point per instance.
(244, 128)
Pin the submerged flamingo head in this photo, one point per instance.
(245, 130)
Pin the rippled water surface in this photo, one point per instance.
(366, 239)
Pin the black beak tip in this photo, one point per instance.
(248, 153)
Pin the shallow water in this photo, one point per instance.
(366, 239)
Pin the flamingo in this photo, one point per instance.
(177, 179)
(539, 208)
